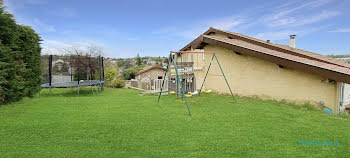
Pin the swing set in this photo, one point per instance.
(172, 60)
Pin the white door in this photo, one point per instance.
(344, 96)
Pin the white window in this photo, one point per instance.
(184, 57)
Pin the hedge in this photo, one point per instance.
(19, 59)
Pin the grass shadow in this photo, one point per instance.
(71, 92)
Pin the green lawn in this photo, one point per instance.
(122, 123)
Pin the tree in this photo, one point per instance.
(85, 60)
(138, 60)
(29, 45)
(19, 59)
(129, 73)
(80, 76)
(62, 70)
(120, 63)
(127, 64)
(110, 75)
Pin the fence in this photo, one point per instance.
(61, 78)
(151, 85)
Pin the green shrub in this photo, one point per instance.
(82, 76)
(20, 73)
(118, 83)
(110, 75)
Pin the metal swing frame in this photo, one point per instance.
(173, 57)
(223, 74)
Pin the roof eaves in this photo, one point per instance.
(188, 46)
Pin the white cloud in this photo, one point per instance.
(268, 22)
(292, 15)
(225, 23)
(318, 17)
(58, 47)
(287, 10)
(54, 47)
(57, 43)
(288, 18)
(341, 30)
(284, 34)
(294, 22)
(274, 35)
(41, 26)
(38, 25)
(13, 5)
(192, 33)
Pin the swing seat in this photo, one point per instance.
(208, 91)
(188, 95)
(172, 92)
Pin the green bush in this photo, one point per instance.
(82, 76)
(118, 83)
(110, 75)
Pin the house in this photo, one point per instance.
(347, 60)
(258, 68)
(150, 78)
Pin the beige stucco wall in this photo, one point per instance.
(250, 76)
(150, 75)
(145, 80)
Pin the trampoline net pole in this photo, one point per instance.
(78, 71)
(99, 69)
(71, 70)
(103, 72)
(50, 75)
(90, 75)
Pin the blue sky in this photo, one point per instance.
(153, 28)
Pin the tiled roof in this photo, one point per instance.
(280, 54)
(268, 51)
(286, 49)
(146, 69)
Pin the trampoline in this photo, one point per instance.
(72, 84)
(80, 65)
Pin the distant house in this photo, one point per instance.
(150, 73)
(150, 62)
(259, 68)
(149, 78)
(347, 60)
(110, 63)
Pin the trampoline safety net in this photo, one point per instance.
(71, 71)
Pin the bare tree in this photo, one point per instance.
(85, 60)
